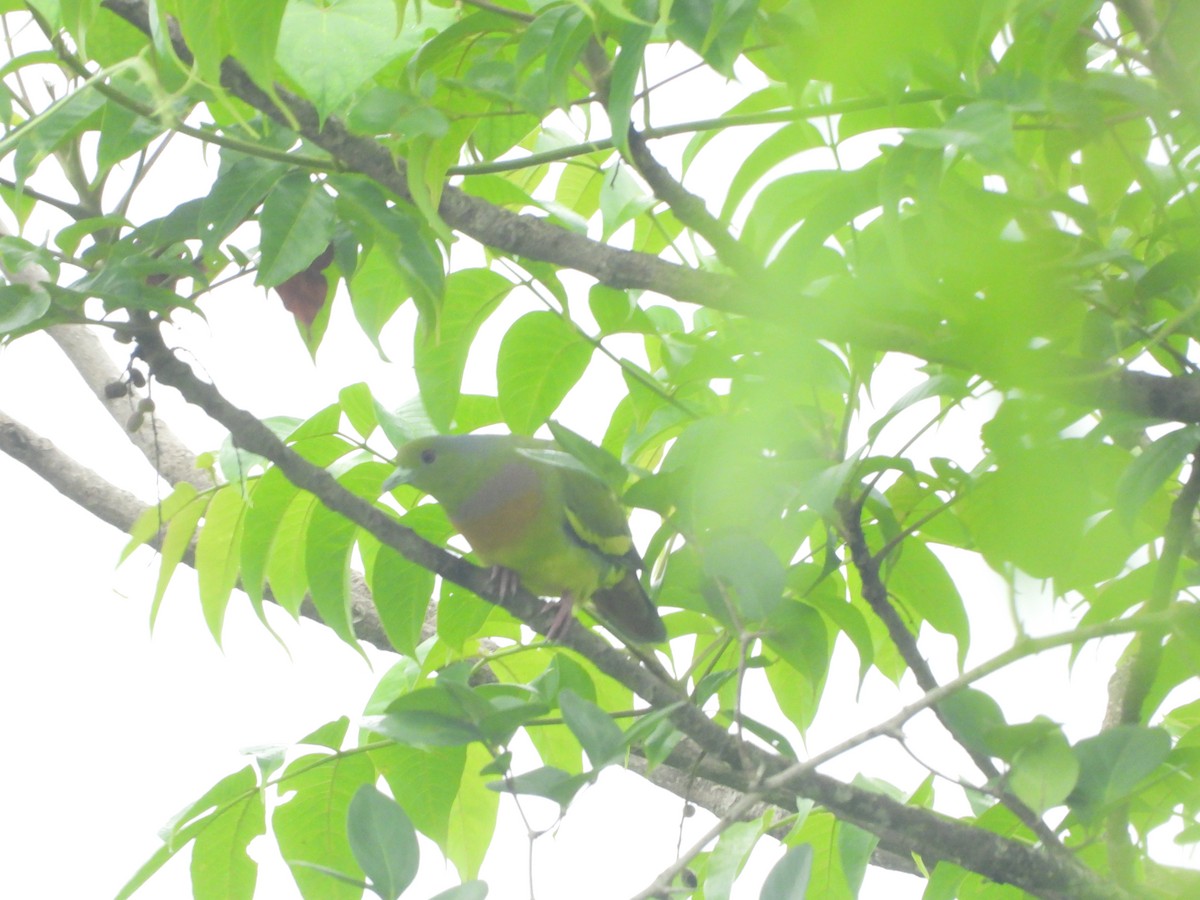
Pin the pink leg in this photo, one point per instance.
(562, 617)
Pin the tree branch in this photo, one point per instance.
(874, 591)
(1168, 398)
(170, 457)
(688, 208)
(122, 509)
(520, 235)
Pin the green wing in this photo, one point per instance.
(595, 514)
(597, 517)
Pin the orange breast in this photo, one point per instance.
(500, 514)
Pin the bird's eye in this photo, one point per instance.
(428, 456)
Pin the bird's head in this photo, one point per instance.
(450, 466)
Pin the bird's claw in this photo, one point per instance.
(506, 581)
(562, 618)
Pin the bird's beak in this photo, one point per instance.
(399, 477)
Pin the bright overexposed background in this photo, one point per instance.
(110, 729)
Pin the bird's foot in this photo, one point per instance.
(562, 618)
(506, 581)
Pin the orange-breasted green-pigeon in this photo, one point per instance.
(527, 507)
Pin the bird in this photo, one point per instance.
(529, 509)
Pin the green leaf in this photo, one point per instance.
(1112, 763)
(472, 816)
(402, 233)
(425, 781)
(982, 128)
(752, 572)
(560, 34)
(797, 634)
(383, 841)
(791, 139)
(255, 35)
(541, 358)
(730, 854)
(123, 132)
(221, 868)
(972, 715)
(377, 289)
(327, 548)
(549, 782)
(70, 237)
(1110, 163)
(217, 554)
(285, 570)
(193, 820)
(270, 498)
(331, 49)
(461, 615)
(597, 460)
(1176, 270)
(311, 825)
(402, 591)
(953, 387)
(239, 188)
(359, 407)
(920, 581)
(623, 83)
(1031, 511)
(440, 352)
(855, 846)
(207, 32)
(21, 305)
(713, 28)
(621, 198)
(297, 222)
(788, 878)
(429, 717)
(175, 544)
(384, 110)
(1150, 470)
(44, 133)
(1044, 772)
(331, 734)
(600, 736)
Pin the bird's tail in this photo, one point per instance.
(625, 607)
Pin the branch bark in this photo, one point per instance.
(170, 457)
(875, 593)
(517, 234)
(121, 509)
(1163, 397)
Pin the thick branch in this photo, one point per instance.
(686, 776)
(1171, 399)
(520, 235)
(77, 483)
(121, 509)
(157, 442)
